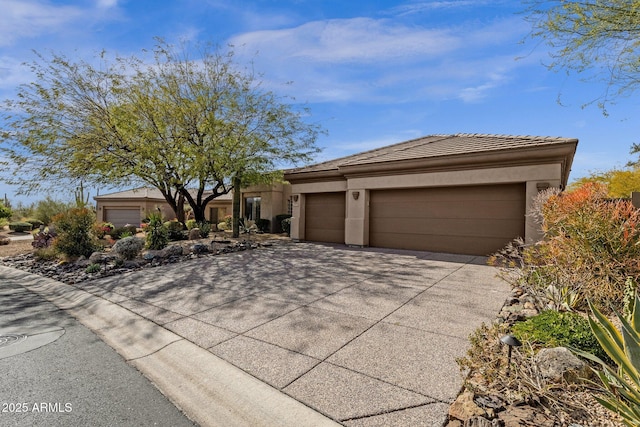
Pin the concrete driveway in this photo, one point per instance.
(365, 337)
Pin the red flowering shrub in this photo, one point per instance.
(591, 246)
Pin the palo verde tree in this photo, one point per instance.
(186, 126)
(602, 36)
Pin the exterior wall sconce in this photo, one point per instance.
(542, 186)
(295, 198)
(511, 342)
(355, 195)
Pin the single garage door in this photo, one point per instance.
(121, 217)
(477, 220)
(324, 217)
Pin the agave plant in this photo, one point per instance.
(622, 385)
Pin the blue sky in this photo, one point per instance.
(373, 72)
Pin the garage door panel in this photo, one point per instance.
(324, 217)
(500, 209)
(448, 244)
(473, 219)
(454, 227)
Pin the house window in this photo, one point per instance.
(290, 206)
(252, 208)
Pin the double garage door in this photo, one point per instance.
(476, 220)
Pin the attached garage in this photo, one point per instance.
(324, 218)
(459, 193)
(466, 220)
(121, 217)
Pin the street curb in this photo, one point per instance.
(209, 390)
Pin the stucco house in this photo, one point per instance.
(131, 206)
(459, 193)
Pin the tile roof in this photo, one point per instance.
(433, 146)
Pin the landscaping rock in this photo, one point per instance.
(4, 240)
(194, 234)
(101, 257)
(464, 407)
(199, 248)
(170, 251)
(556, 364)
(524, 416)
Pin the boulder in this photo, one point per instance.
(172, 250)
(482, 422)
(194, 234)
(199, 248)
(101, 257)
(464, 407)
(556, 364)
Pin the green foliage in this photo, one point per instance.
(598, 35)
(552, 328)
(156, 233)
(175, 230)
(191, 224)
(280, 227)
(93, 268)
(204, 228)
(286, 226)
(5, 212)
(619, 182)
(228, 221)
(622, 384)
(223, 226)
(46, 254)
(35, 223)
(75, 233)
(125, 231)
(20, 227)
(46, 209)
(128, 247)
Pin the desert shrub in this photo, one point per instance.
(128, 247)
(5, 212)
(191, 224)
(552, 328)
(124, 231)
(175, 230)
(204, 228)
(45, 210)
(286, 226)
(75, 232)
(45, 254)
(35, 223)
(43, 238)
(263, 225)
(103, 229)
(20, 227)
(228, 220)
(93, 268)
(591, 245)
(156, 233)
(278, 224)
(222, 226)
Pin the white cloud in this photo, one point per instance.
(378, 60)
(32, 18)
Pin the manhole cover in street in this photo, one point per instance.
(9, 339)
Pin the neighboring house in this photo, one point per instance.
(462, 193)
(132, 206)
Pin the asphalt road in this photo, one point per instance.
(55, 372)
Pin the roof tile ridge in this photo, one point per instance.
(389, 148)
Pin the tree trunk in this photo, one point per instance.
(180, 209)
(236, 206)
(199, 212)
